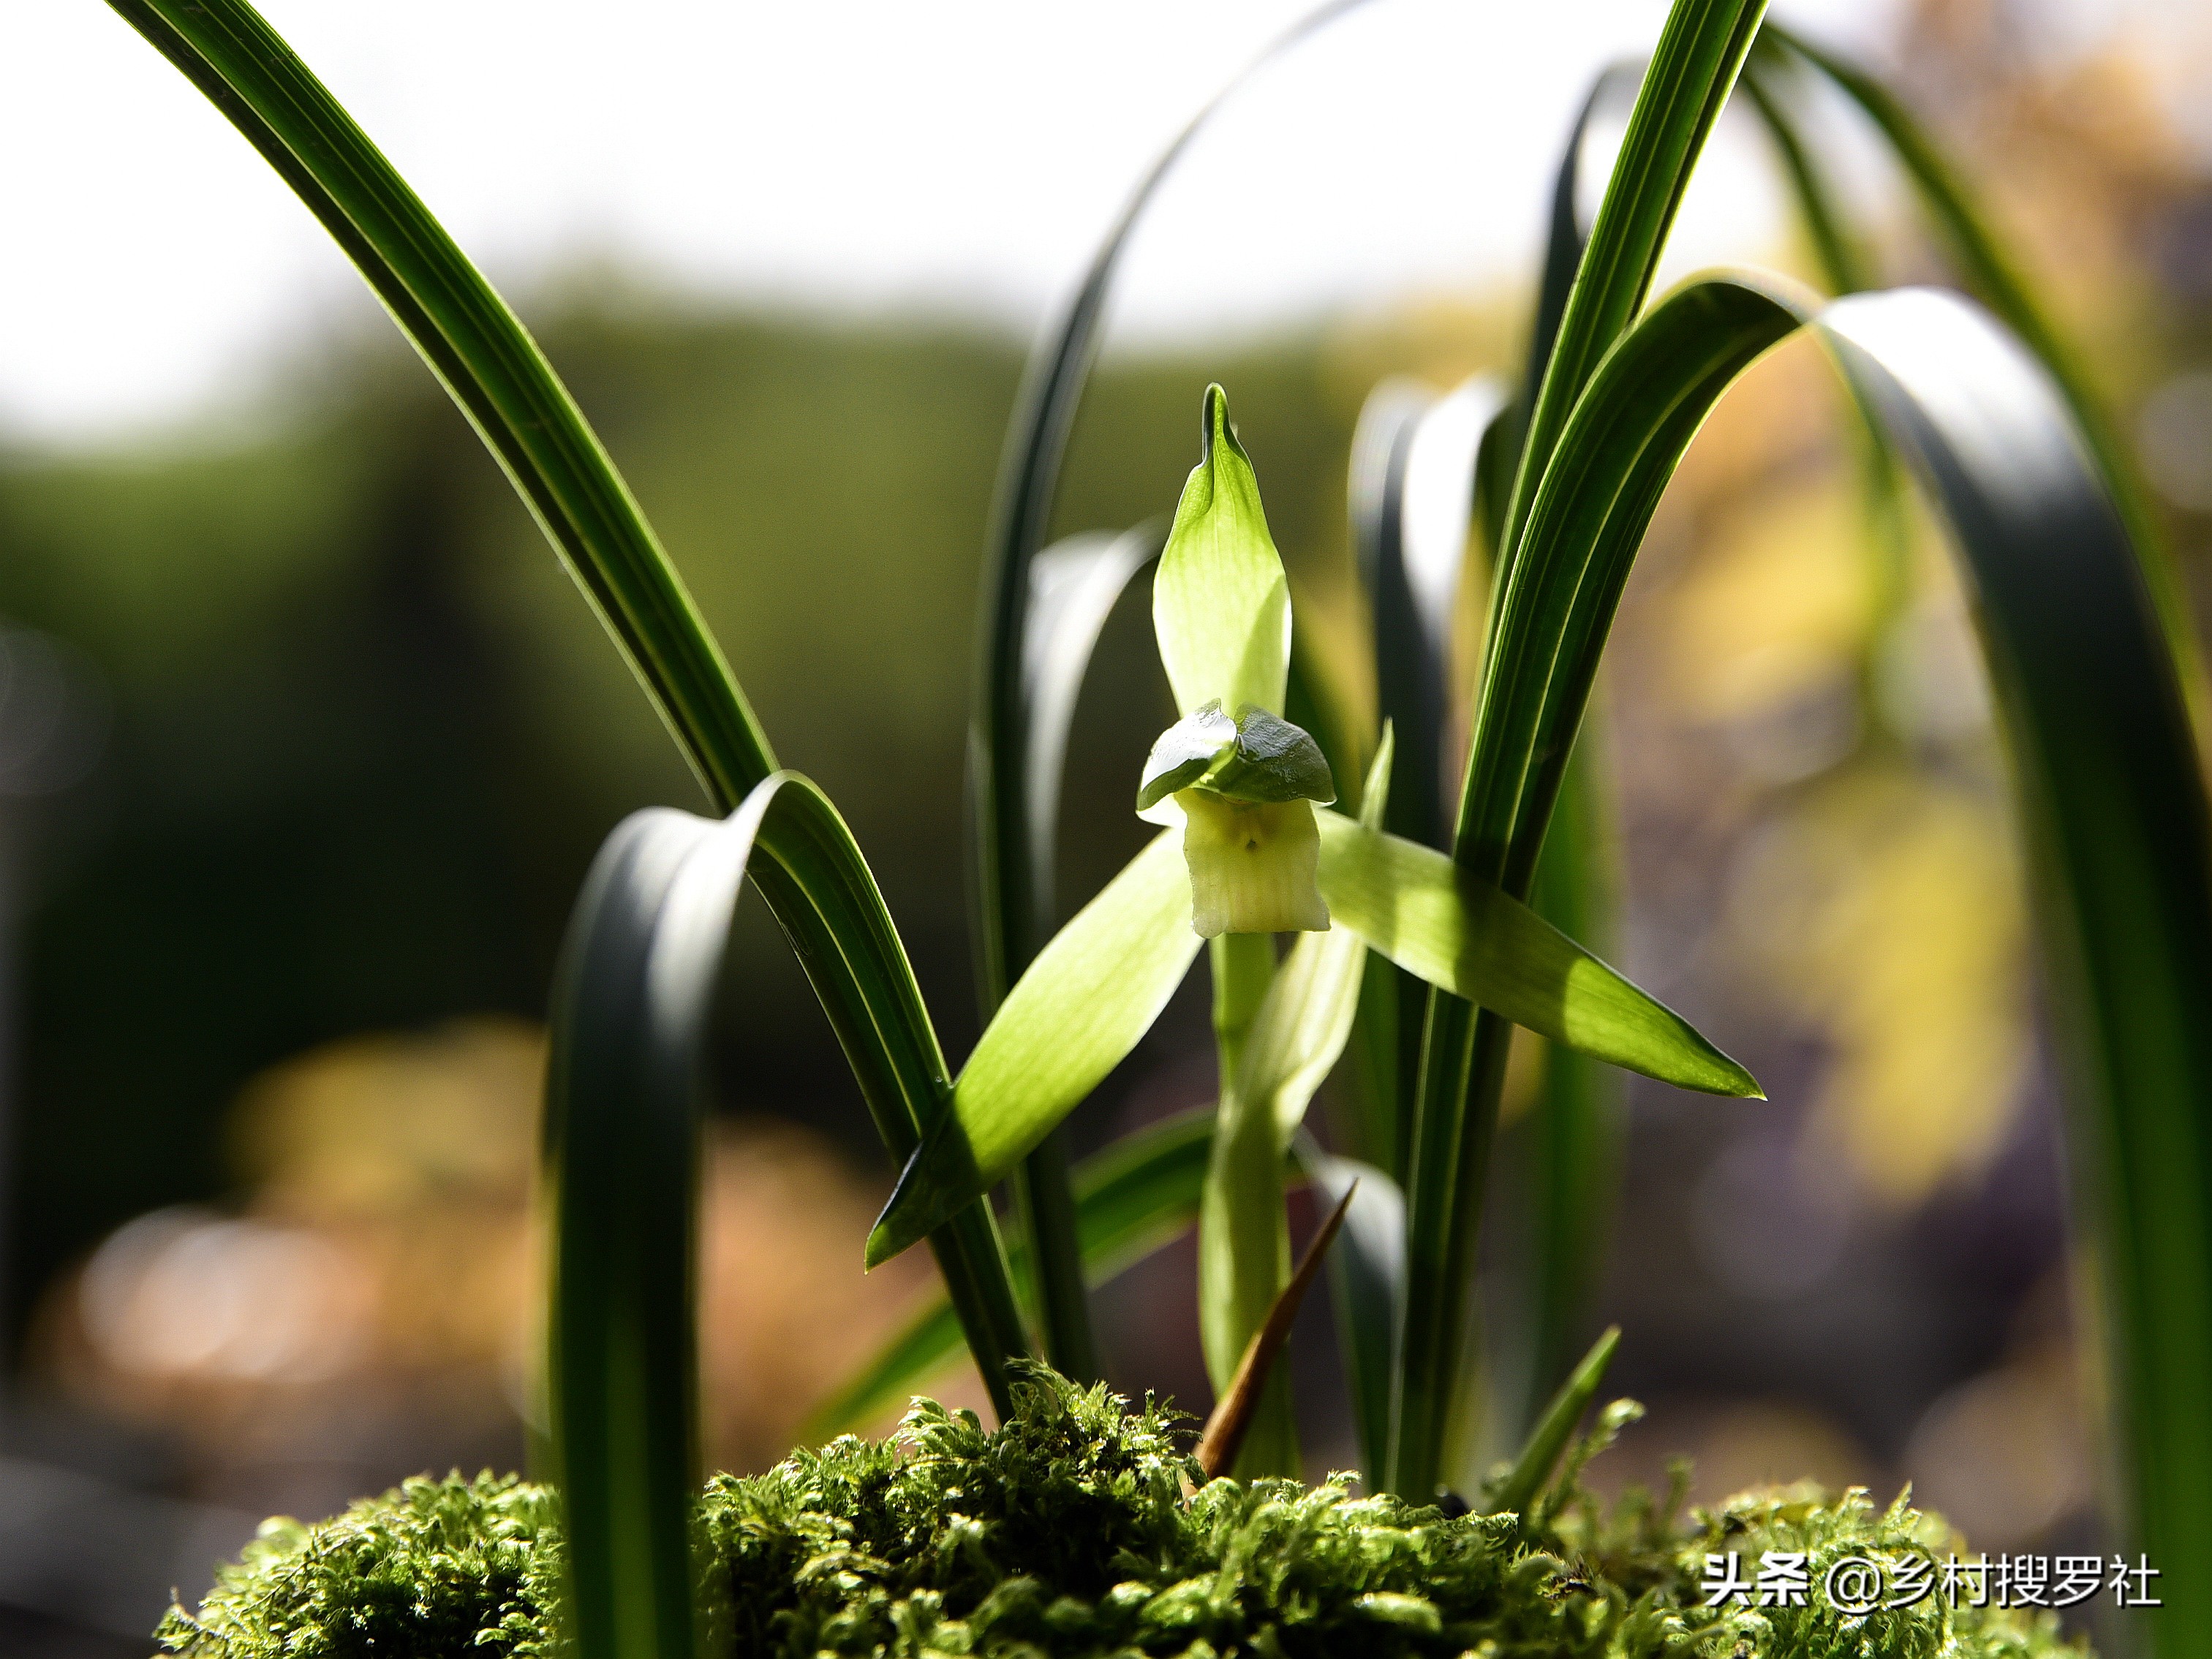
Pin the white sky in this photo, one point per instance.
(959, 156)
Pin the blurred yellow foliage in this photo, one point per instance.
(385, 1122)
(1776, 606)
(1883, 911)
(386, 1251)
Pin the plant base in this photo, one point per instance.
(1069, 1532)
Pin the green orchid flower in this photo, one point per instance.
(1251, 847)
(1244, 790)
(1241, 788)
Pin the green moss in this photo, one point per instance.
(1068, 1533)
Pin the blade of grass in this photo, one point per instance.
(1565, 234)
(1636, 417)
(1131, 1198)
(1006, 824)
(633, 1002)
(1409, 668)
(1412, 449)
(1575, 1134)
(1462, 1069)
(850, 948)
(1554, 1429)
(1074, 587)
(495, 372)
(1687, 81)
(487, 362)
(2094, 718)
(1773, 81)
(1411, 446)
(1772, 84)
(1999, 282)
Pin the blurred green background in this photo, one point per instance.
(360, 736)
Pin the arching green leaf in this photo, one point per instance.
(2120, 838)
(814, 878)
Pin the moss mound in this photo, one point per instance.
(1068, 1533)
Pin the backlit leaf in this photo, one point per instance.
(1073, 1016)
(1461, 934)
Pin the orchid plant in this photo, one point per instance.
(2097, 686)
(1251, 849)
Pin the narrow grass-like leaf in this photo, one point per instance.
(2120, 839)
(1367, 1283)
(1609, 468)
(1773, 78)
(493, 371)
(1074, 586)
(848, 943)
(1433, 918)
(1073, 1016)
(1131, 1198)
(1221, 605)
(1414, 472)
(632, 1006)
(1686, 83)
(632, 1000)
(2095, 718)
(1688, 79)
(1554, 1429)
(483, 356)
(1574, 1140)
(1565, 234)
(1769, 84)
(1411, 493)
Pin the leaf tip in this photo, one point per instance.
(881, 1247)
(1724, 1075)
(894, 1229)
